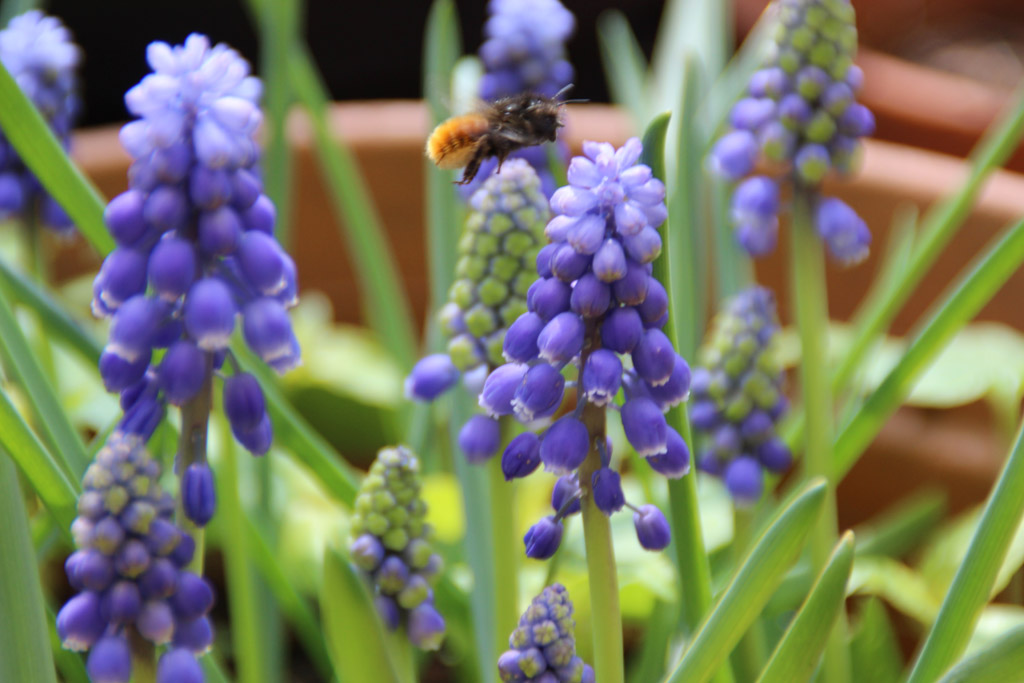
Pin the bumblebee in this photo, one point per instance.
(497, 130)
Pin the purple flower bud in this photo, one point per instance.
(198, 495)
(744, 480)
(508, 667)
(586, 235)
(543, 538)
(268, 332)
(426, 627)
(262, 262)
(520, 343)
(607, 488)
(244, 404)
(654, 358)
(367, 552)
(573, 201)
(543, 260)
(500, 387)
(539, 394)
(195, 635)
(857, 121)
(566, 490)
(602, 377)
(794, 111)
(610, 261)
(770, 82)
(733, 155)
(643, 246)
(193, 598)
(652, 528)
(548, 297)
(479, 438)
(257, 440)
(122, 602)
(210, 313)
(756, 201)
(676, 389)
(172, 267)
(631, 289)
(182, 372)
(110, 660)
(261, 215)
(774, 455)
(220, 231)
(156, 622)
(562, 338)
(776, 141)
(165, 208)
(645, 426)
(758, 239)
(388, 610)
(182, 553)
(160, 580)
(118, 373)
(179, 666)
(590, 297)
(564, 445)
(124, 218)
(392, 575)
(812, 162)
(750, 113)
(122, 276)
(131, 332)
(209, 188)
(845, 233)
(521, 456)
(567, 264)
(675, 461)
(430, 377)
(622, 330)
(79, 623)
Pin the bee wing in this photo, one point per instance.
(516, 136)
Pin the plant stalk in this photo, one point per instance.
(195, 418)
(506, 547)
(810, 302)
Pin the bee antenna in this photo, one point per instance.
(573, 101)
(564, 90)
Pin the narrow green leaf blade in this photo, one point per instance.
(1002, 661)
(355, 636)
(625, 68)
(24, 644)
(797, 654)
(874, 647)
(751, 585)
(39, 149)
(973, 583)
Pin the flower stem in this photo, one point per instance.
(606, 620)
(195, 418)
(811, 305)
(506, 547)
(143, 658)
(752, 652)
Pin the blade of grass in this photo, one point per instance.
(383, 300)
(751, 586)
(1001, 661)
(37, 146)
(972, 585)
(24, 645)
(50, 415)
(954, 309)
(798, 652)
(897, 532)
(625, 67)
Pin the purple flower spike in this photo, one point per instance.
(652, 528)
(602, 377)
(543, 538)
(210, 314)
(645, 426)
(562, 338)
(565, 445)
(607, 488)
(565, 497)
(431, 377)
(675, 461)
(179, 666)
(79, 622)
(500, 387)
(198, 495)
(110, 660)
(521, 456)
(480, 438)
(540, 393)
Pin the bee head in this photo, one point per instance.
(544, 115)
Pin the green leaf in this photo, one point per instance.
(899, 530)
(50, 415)
(973, 583)
(874, 647)
(355, 637)
(751, 586)
(958, 305)
(1002, 661)
(24, 645)
(383, 299)
(625, 67)
(797, 654)
(895, 582)
(37, 146)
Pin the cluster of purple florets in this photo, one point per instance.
(195, 245)
(392, 546)
(594, 302)
(737, 396)
(130, 571)
(800, 112)
(38, 52)
(543, 647)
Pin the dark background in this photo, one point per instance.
(364, 49)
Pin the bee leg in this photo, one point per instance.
(471, 169)
(501, 160)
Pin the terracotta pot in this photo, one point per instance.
(916, 103)
(387, 139)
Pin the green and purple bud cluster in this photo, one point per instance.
(130, 571)
(543, 647)
(392, 546)
(800, 113)
(737, 396)
(38, 52)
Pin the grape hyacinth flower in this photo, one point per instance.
(800, 114)
(392, 546)
(595, 303)
(195, 252)
(737, 396)
(543, 646)
(497, 256)
(39, 53)
(130, 571)
(524, 52)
